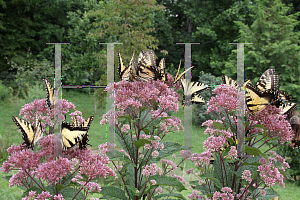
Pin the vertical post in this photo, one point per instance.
(110, 135)
(57, 98)
(188, 140)
(240, 99)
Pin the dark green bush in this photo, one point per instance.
(200, 115)
(31, 74)
(5, 92)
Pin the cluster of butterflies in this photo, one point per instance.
(72, 134)
(265, 92)
(146, 69)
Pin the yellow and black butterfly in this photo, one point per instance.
(86, 124)
(76, 134)
(128, 73)
(162, 68)
(195, 88)
(229, 81)
(30, 134)
(50, 94)
(287, 108)
(256, 100)
(147, 68)
(268, 81)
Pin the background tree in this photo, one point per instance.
(275, 44)
(25, 28)
(130, 23)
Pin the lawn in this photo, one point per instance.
(97, 135)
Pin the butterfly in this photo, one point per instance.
(147, 68)
(86, 124)
(229, 81)
(256, 100)
(76, 134)
(50, 94)
(195, 88)
(30, 134)
(268, 81)
(162, 68)
(129, 72)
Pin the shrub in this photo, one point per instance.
(31, 73)
(200, 115)
(36, 91)
(5, 92)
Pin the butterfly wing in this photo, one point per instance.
(147, 66)
(268, 81)
(141, 56)
(195, 89)
(71, 135)
(84, 141)
(50, 94)
(229, 81)
(287, 108)
(30, 134)
(37, 130)
(123, 71)
(255, 100)
(162, 68)
(198, 99)
(134, 69)
(74, 121)
(177, 76)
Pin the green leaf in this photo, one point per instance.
(168, 181)
(253, 164)
(255, 151)
(212, 178)
(219, 126)
(286, 174)
(169, 149)
(270, 194)
(69, 193)
(178, 196)
(59, 187)
(113, 192)
(141, 143)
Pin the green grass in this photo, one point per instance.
(97, 135)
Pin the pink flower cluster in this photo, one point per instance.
(131, 97)
(247, 176)
(203, 157)
(276, 124)
(151, 170)
(30, 166)
(226, 195)
(270, 173)
(217, 137)
(226, 98)
(233, 152)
